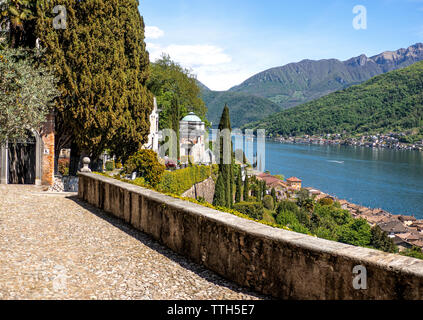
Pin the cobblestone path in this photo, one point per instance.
(53, 246)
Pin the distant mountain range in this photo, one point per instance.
(285, 87)
(385, 103)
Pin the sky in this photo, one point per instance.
(224, 42)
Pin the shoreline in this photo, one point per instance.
(326, 142)
(406, 231)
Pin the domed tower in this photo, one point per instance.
(192, 139)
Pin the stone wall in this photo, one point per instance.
(203, 189)
(47, 162)
(271, 261)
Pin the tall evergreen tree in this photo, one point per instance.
(102, 63)
(238, 186)
(18, 17)
(264, 189)
(259, 191)
(220, 199)
(246, 189)
(273, 194)
(226, 156)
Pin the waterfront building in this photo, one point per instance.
(294, 183)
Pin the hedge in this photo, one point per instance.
(179, 181)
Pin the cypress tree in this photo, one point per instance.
(219, 199)
(226, 169)
(238, 187)
(264, 187)
(246, 189)
(259, 191)
(102, 64)
(273, 193)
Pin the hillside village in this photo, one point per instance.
(389, 141)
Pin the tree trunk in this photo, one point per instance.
(74, 159)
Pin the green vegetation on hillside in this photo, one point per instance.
(243, 108)
(281, 88)
(389, 102)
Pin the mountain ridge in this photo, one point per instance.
(296, 83)
(389, 102)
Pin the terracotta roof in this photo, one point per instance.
(394, 226)
(293, 179)
(409, 236)
(418, 243)
(407, 218)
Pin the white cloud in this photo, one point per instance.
(153, 32)
(210, 63)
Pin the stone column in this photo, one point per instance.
(4, 162)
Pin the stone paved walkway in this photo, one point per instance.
(55, 247)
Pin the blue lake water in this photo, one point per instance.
(376, 178)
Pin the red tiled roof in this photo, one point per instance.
(293, 179)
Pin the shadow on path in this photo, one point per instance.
(153, 244)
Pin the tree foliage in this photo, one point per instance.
(146, 164)
(18, 17)
(26, 94)
(238, 192)
(176, 90)
(226, 151)
(252, 209)
(246, 189)
(102, 64)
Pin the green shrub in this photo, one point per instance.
(179, 181)
(110, 165)
(252, 209)
(146, 164)
(287, 205)
(414, 252)
(289, 219)
(64, 166)
(268, 202)
(326, 202)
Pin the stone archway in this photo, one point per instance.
(20, 162)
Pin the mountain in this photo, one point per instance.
(296, 83)
(243, 107)
(388, 102)
(285, 87)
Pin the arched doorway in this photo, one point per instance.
(22, 160)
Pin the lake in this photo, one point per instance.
(376, 178)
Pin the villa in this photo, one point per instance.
(193, 141)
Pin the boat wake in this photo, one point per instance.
(334, 161)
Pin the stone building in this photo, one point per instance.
(294, 183)
(154, 136)
(30, 161)
(192, 141)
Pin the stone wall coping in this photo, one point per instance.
(393, 262)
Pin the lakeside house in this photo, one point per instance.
(294, 183)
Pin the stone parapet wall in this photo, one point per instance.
(271, 261)
(203, 190)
